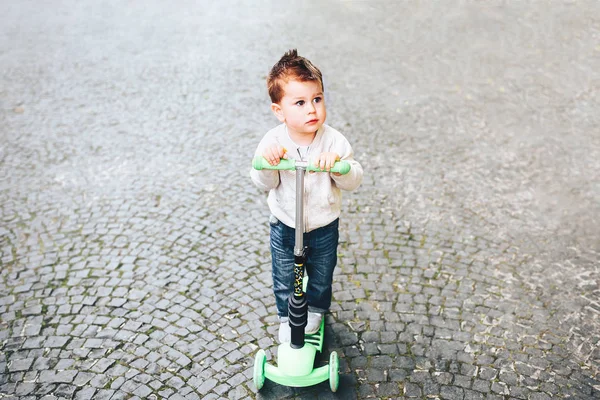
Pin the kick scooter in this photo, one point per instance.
(295, 360)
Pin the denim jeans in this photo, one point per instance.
(321, 259)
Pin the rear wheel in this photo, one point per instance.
(334, 377)
(259, 369)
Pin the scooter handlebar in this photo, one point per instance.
(260, 163)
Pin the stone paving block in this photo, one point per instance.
(20, 365)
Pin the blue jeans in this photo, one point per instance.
(321, 258)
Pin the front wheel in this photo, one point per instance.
(259, 369)
(334, 377)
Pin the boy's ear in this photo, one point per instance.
(276, 108)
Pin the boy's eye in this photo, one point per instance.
(300, 103)
(317, 99)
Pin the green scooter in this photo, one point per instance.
(295, 360)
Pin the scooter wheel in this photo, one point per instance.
(259, 369)
(334, 377)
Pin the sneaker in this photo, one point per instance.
(314, 323)
(285, 333)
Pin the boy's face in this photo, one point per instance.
(302, 108)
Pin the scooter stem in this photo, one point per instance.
(299, 242)
(297, 303)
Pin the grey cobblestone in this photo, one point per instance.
(133, 248)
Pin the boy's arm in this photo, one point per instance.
(352, 179)
(266, 179)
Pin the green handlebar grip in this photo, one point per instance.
(259, 163)
(341, 167)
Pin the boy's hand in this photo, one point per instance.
(326, 161)
(274, 153)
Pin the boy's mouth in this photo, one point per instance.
(313, 121)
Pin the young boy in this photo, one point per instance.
(296, 89)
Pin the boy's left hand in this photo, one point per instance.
(326, 161)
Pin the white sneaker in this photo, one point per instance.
(285, 333)
(314, 323)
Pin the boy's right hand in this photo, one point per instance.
(274, 153)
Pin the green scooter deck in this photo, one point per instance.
(295, 366)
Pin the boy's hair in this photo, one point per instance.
(291, 67)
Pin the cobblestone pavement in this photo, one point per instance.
(133, 246)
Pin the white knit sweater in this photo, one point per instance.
(322, 195)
